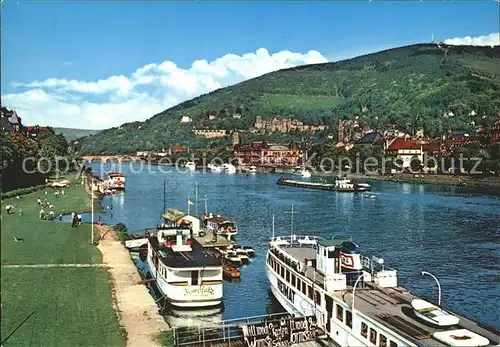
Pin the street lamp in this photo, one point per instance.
(352, 306)
(439, 285)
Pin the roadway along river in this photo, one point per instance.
(453, 233)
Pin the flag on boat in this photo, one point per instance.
(190, 202)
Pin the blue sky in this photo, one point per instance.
(92, 41)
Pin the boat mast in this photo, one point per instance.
(273, 225)
(164, 182)
(206, 209)
(189, 200)
(196, 198)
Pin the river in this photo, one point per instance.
(451, 232)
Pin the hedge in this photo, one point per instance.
(22, 191)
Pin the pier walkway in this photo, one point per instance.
(136, 308)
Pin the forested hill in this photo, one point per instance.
(408, 87)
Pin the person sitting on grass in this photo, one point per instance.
(39, 201)
(20, 211)
(8, 208)
(56, 194)
(51, 215)
(42, 213)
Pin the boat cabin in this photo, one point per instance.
(221, 225)
(116, 180)
(177, 218)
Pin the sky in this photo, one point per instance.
(101, 64)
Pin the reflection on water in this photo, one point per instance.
(452, 232)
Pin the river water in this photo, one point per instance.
(451, 232)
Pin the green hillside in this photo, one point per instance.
(72, 134)
(408, 87)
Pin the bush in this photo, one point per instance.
(121, 231)
(166, 338)
(22, 191)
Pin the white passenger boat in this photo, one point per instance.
(433, 314)
(301, 171)
(220, 225)
(356, 299)
(186, 273)
(228, 168)
(116, 181)
(363, 187)
(191, 166)
(214, 168)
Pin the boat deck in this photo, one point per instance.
(197, 257)
(391, 307)
(206, 241)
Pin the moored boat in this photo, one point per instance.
(301, 171)
(191, 166)
(116, 181)
(184, 272)
(220, 225)
(356, 299)
(228, 168)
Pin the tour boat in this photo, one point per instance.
(214, 168)
(221, 225)
(228, 168)
(363, 187)
(301, 171)
(116, 181)
(184, 272)
(433, 314)
(191, 166)
(356, 299)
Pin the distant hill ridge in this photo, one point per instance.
(72, 134)
(408, 87)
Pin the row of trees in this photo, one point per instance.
(472, 158)
(26, 162)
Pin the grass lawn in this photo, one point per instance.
(47, 242)
(72, 307)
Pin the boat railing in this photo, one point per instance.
(295, 240)
(226, 331)
(375, 264)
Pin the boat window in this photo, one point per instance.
(318, 297)
(304, 288)
(364, 330)
(393, 344)
(293, 280)
(194, 278)
(324, 252)
(382, 341)
(309, 292)
(373, 336)
(331, 253)
(348, 318)
(340, 313)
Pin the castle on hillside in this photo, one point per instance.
(284, 125)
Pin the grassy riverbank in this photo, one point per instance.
(47, 305)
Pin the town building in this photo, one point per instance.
(495, 133)
(284, 125)
(267, 154)
(34, 131)
(210, 133)
(186, 119)
(404, 149)
(10, 122)
(178, 149)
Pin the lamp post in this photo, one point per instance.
(439, 285)
(92, 213)
(352, 306)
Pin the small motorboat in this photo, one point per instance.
(230, 271)
(363, 187)
(460, 338)
(249, 251)
(234, 260)
(370, 196)
(244, 259)
(252, 169)
(191, 166)
(433, 314)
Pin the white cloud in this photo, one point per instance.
(62, 102)
(492, 39)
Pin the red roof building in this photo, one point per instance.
(263, 153)
(178, 149)
(34, 131)
(404, 149)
